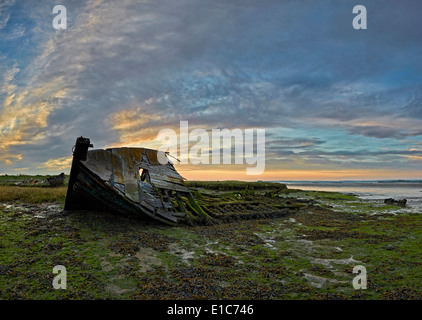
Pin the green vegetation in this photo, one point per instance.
(32, 194)
(24, 180)
(266, 243)
(230, 185)
(30, 189)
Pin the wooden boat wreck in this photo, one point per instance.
(129, 181)
(56, 181)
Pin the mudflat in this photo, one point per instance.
(264, 242)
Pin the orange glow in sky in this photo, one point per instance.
(284, 175)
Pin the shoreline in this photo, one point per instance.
(372, 190)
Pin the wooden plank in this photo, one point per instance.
(126, 171)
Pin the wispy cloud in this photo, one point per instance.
(123, 70)
(58, 164)
(24, 114)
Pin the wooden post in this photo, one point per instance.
(80, 152)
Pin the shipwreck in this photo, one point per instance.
(129, 181)
(56, 181)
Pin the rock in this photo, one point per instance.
(391, 201)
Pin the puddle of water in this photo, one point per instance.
(35, 211)
(328, 262)
(269, 245)
(147, 259)
(105, 265)
(184, 254)
(319, 282)
(268, 238)
(116, 289)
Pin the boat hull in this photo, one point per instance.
(87, 191)
(129, 182)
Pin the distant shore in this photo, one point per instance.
(374, 190)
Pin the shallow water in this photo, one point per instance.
(370, 190)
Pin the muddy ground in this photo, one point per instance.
(260, 245)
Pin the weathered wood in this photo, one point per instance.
(110, 180)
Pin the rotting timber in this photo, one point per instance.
(129, 181)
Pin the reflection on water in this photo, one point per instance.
(371, 190)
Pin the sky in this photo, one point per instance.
(336, 103)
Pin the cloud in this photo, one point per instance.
(417, 157)
(386, 127)
(124, 70)
(24, 114)
(296, 143)
(63, 163)
(17, 32)
(5, 14)
(380, 132)
(414, 108)
(4, 18)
